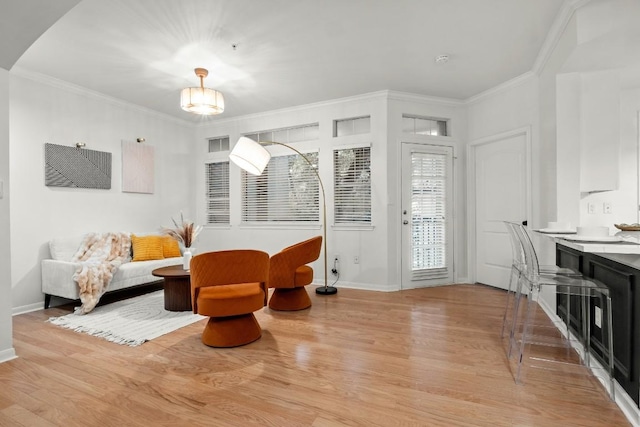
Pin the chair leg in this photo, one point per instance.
(529, 318)
(231, 331)
(289, 299)
(506, 308)
(612, 388)
(514, 317)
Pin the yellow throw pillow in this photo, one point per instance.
(147, 248)
(170, 247)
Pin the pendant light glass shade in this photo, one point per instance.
(202, 100)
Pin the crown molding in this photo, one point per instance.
(516, 81)
(550, 42)
(555, 33)
(79, 90)
(423, 99)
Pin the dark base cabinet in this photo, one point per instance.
(625, 303)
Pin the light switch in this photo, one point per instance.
(606, 207)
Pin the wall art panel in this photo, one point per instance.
(137, 168)
(76, 167)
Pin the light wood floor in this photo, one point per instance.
(427, 357)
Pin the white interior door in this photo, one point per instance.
(427, 202)
(500, 167)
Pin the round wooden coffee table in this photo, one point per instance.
(177, 287)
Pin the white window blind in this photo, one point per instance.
(352, 185)
(287, 191)
(217, 193)
(428, 221)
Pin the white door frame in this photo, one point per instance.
(471, 188)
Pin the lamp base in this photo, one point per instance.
(326, 290)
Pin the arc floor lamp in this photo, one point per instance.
(253, 158)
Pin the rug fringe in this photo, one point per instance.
(97, 333)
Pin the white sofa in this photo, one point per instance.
(57, 272)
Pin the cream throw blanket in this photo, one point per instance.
(100, 256)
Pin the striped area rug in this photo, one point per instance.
(129, 322)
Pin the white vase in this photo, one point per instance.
(186, 259)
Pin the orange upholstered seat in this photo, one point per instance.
(289, 274)
(228, 286)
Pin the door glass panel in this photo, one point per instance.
(428, 213)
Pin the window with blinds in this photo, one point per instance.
(428, 215)
(352, 185)
(287, 191)
(217, 188)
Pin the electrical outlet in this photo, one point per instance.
(336, 264)
(606, 208)
(598, 319)
(591, 208)
(356, 259)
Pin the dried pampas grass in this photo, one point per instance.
(186, 232)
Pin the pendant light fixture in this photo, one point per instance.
(202, 100)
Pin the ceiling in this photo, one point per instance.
(287, 52)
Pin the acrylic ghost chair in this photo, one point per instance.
(523, 330)
(518, 266)
(289, 274)
(228, 286)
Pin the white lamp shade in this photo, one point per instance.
(250, 156)
(203, 101)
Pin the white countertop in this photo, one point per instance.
(630, 245)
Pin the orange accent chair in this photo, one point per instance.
(289, 274)
(228, 286)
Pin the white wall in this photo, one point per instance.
(47, 113)
(377, 247)
(6, 330)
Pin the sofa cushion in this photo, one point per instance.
(170, 247)
(146, 248)
(64, 248)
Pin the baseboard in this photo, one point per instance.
(361, 286)
(626, 404)
(27, 308)
(7, 355)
